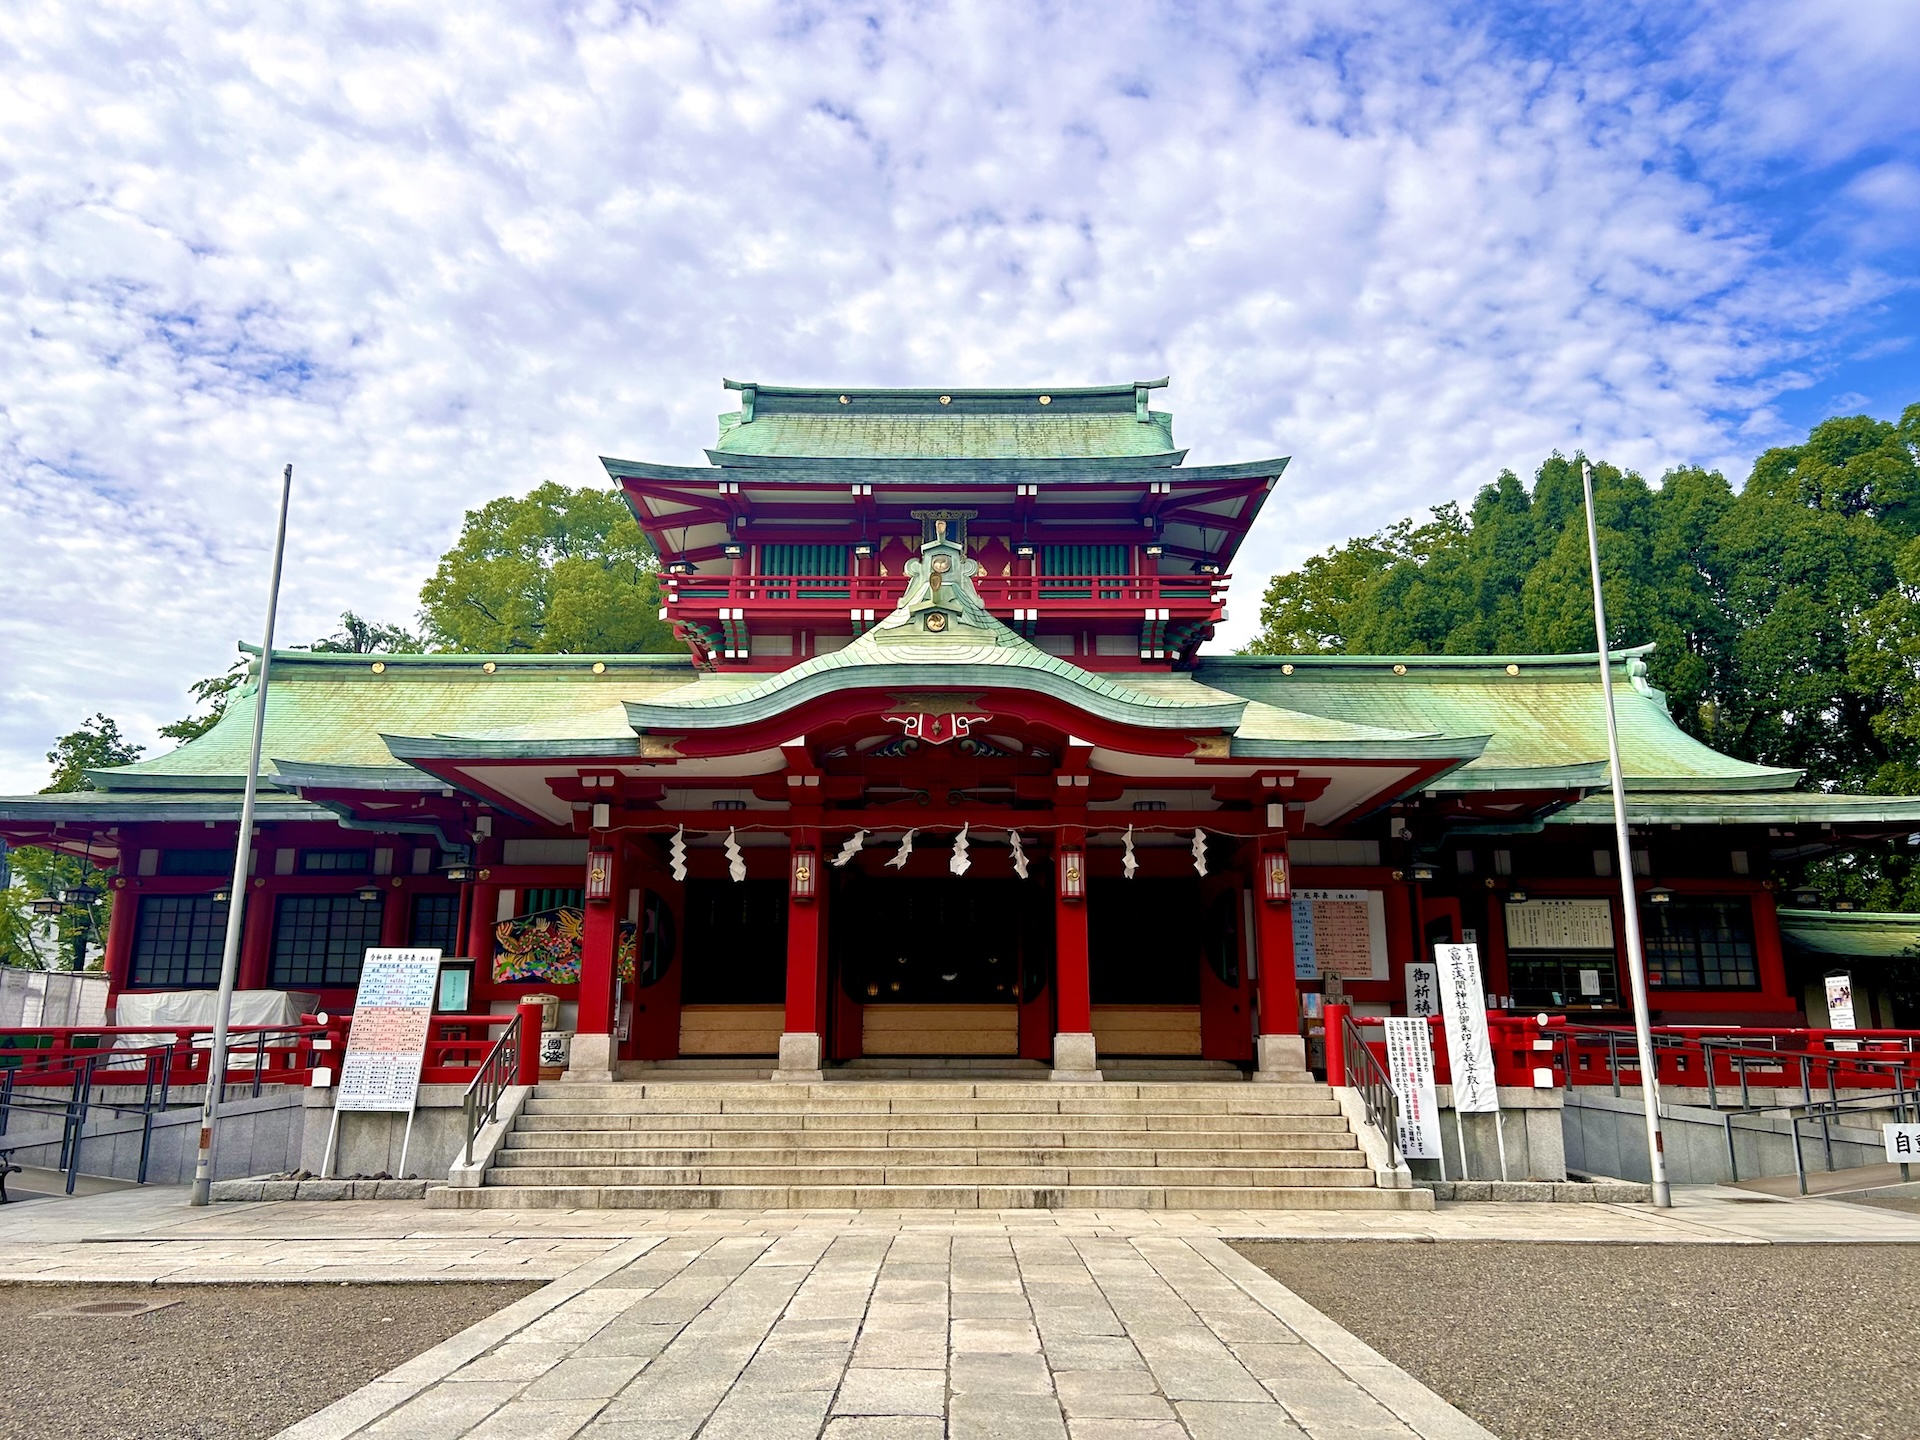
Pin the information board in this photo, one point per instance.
(1903, 1143)
(1423, 988)
(1410, 1066)
(1339, 933)
(1560, 925)
(392, 1014)
(1463, 1004)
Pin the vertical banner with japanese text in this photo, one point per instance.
(1463, 1004)
(1410, 1065)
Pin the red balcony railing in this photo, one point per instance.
(999, 592)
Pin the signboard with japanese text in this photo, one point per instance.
(1903, 1143)
(1423, 988)
(1560, 925)
(1463, 1004)
(392, 1013)
(1339, 933)
(1840, 1014)
(1410, 1066)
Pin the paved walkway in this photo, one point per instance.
(861, 1325)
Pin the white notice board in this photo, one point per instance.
(391, 1016)
(1410, 1067)
(1339, 934)
(1463, 1005)
(1560, 925)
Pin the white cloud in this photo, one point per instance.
(432, 255)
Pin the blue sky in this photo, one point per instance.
(436, 254)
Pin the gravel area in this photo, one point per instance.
(1656, 1342)
(226, 1361)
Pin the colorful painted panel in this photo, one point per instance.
(544, 948)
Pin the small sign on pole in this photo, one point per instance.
(392, 1014)
(1903, 1143)
(1463, 1006)
(1410, 1065)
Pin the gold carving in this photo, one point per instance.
(1210, 747)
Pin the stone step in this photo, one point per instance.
(1035, 1176)
(849, 1101)
(928, 1197)
(944, 1142)
(848, 1091)
(1022, 1126)
(890, 1156)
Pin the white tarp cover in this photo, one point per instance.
(52, 997)
(198, 1007)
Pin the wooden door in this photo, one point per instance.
(1226, 998)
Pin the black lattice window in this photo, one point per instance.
(435, 923)
(176, 945)
(321, 939)
(196, 862)
(540, 899)
(1700, 945)
(336, 862)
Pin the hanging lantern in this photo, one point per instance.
(600, 875)
(805, 876)
(1073, 875)
(1276, 883)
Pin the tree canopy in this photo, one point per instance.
(1786, 614)
(557, 571)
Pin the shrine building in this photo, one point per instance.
(944, 770)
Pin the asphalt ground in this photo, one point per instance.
(1656, 1342)
(239, 1361)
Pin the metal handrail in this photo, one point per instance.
(482, 1100)
(1366, 1074)
(81, 1102)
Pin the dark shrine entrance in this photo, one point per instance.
(939, 967)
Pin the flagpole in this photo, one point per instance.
(237, 895)
(1629, 903)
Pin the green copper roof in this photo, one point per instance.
(1742, 807)
(1545, 725)
(1100, 421)
(1866, 934)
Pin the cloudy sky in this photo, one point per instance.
(432, 254)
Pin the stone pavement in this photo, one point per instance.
(862, 1325)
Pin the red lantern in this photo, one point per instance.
(1276, 883)
(806, 875)
(1073, 875)
(600, 875)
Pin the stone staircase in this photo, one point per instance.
(947, 1144)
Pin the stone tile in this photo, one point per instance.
(515, 1360)
(536, 1420)
(764, 1414)
(587, 1377)
(1191, 1364)
(885, 1427)
(444, 1413)
(1233, 1420)
(994, 1337)
(999, 1375)
(1005, 1417)
(892, 1392)
(1111, 1395)
(1094, 1352)
(1104, 1428)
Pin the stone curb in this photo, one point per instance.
(351, 1413)
(249, 1190)
(1553, 1192)
(1423, 1412)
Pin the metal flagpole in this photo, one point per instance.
(237, 896)
(1629, 905)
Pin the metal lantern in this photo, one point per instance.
(367, 894)
(805, 875)
(48, 905)
(1423, 871)
(1073, 874)
(600, 875)
(1659, 895)
(1276, 882)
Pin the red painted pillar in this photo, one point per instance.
(1074, 1052)
(483, 902)
(121, 925)
(600, 940)
(393, 912)
(1281, 1049)
(256, 937)
(527, 1063)
(805, 1024)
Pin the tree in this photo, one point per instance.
(96, 745)
(558, 571)
(34, 873)
(368, 637)
(213, 692)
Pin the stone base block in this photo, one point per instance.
(590, 1059)
(1075, 1059)
(1281, 1059)
(799, 1057)
(1561, 1192)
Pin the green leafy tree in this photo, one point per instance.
(368, 637)
(213, 692)
(34, 873)
(558, 571)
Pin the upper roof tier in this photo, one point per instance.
(1097, 422)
